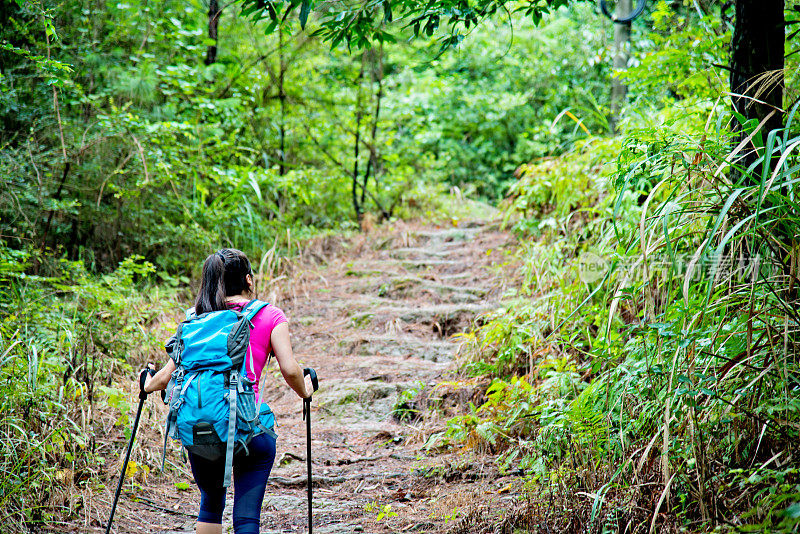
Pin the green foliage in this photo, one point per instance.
(118, 139)
(360, 24)
(485, 108)
(675, 361)
(405, 408)
(681, 57)
(555, 188)
(381, 511)
(630, 355)
(62, 337)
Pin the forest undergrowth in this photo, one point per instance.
(643, 372)
(66, 337)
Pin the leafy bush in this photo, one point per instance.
(62, 339)
(662, 367)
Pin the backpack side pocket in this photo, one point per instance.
(266, 421)
(246, 407)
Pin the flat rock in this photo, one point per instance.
(355, 401)
(343, 528)
(284, 502)
(401, 346)
(407, 252)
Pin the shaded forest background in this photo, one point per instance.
(146, 137)
(646, 361)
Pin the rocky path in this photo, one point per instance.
(375, 317)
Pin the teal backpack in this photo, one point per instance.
(212, 408)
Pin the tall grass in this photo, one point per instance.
(64, 341)
(656, 341)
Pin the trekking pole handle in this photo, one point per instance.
(308, 371)
(142, 379)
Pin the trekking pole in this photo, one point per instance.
(307, 416)
(142, 397)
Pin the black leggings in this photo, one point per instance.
(250, 474)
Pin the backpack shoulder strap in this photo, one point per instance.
(174, 345)
(232, 415)
(239, 336)
(253, 307)
(175, 399)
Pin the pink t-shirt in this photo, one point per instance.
(260, 346)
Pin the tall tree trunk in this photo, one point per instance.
(372, 163)
(622, 50)
(757, 83)
(757, 65)
(213, 26)
(282, 99)
(357, 141)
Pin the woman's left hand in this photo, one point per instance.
(159, 380)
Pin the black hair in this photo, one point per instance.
(224, 274)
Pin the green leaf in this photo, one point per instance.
(387, 11)
(182, 486)
(793, 511)
(305, 9)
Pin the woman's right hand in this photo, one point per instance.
(309, 386)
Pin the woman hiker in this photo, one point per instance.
(227, 283)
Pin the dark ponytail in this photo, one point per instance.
(224, 274)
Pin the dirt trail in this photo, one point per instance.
(375, 320)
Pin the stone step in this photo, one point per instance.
(360, 404)
(428, 315)
(438, 266)
(449, 234)
(392, 370)
(368, 273)
(391, 266)
(408, 252)
(457, 276)
(400, 346)
(408, 286)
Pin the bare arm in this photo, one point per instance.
(291, 371)
(159, 381)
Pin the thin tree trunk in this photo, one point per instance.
(622, 49)
(282, 98)
(56, 197)
(356, 145)
(67, 163)
(213, 27)
(373, 155)
(757, 61)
